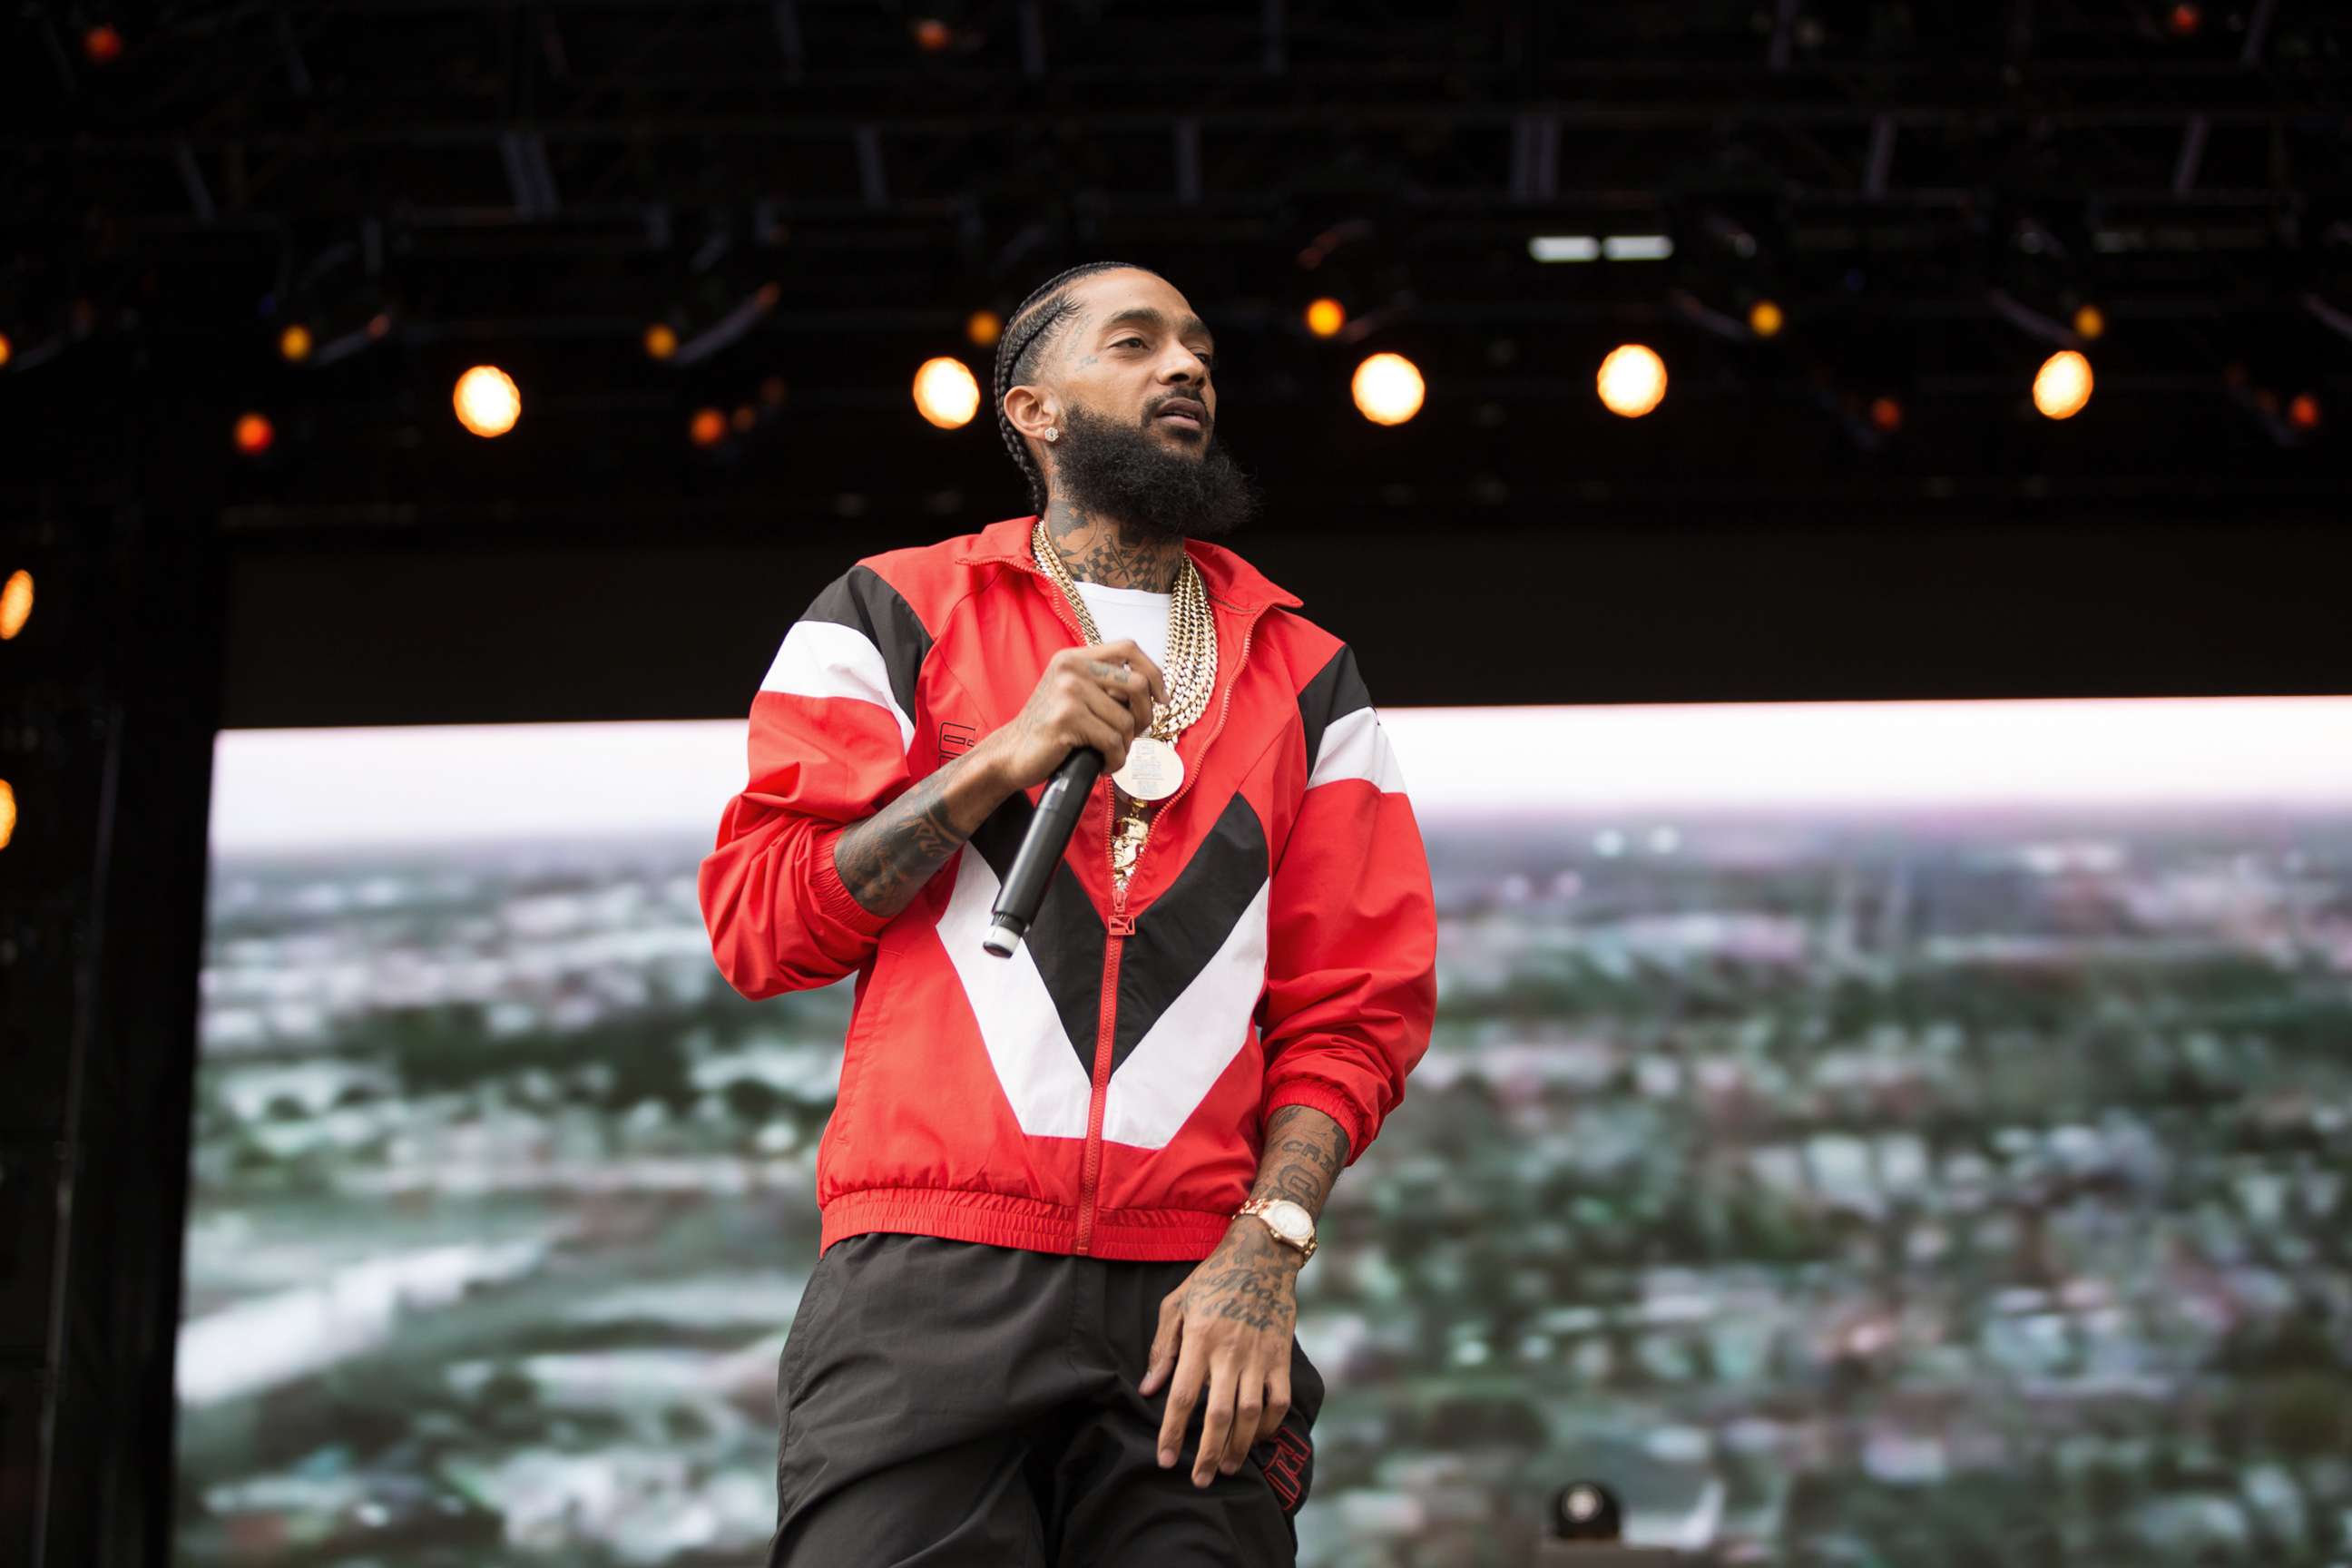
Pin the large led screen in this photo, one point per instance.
(1861, 1134)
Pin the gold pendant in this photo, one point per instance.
(1127, 844)
(1152, 770)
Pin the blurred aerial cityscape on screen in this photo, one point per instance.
(1919, 1188)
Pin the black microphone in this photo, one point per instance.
(1040, 850)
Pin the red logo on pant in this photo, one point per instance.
(1285, 1472)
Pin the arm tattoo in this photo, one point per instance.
(1097, 551)
(1305, 1152)
(884, 860)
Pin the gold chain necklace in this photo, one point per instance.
(1153, 770)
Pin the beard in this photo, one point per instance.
(1130, 475)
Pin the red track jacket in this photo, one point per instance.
(1105, 1089)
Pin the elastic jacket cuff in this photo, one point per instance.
(834, 901)
(1317, 1094)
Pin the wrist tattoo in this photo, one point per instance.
(1304, 1152)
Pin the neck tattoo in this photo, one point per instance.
(1098, 549)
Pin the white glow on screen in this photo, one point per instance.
(2152, 751)
(284, 789)
(298, 789)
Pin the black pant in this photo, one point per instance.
(945, 1403)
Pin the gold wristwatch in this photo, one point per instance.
(1291, 1224)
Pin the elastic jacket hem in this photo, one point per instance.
(1004, 1219)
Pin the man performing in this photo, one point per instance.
(1066, 1194)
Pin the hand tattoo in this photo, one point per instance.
(1239, 1309)
(1247, 1280)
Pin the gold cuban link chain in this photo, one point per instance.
(1192, 671)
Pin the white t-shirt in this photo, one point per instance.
(1137, 613)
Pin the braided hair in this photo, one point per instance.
(1032, 327)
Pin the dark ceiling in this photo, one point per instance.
(814, 193)
(1929, 191)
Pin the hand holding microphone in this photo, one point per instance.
(1090, 703)
(1099, 696)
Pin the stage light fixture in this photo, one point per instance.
(6, 348)
(2184, 19)
(1632, 380)
(328, 340)
(7, 814)
(2302, 411)
(983, 327)
(1326, 316)
(16, 602)
(945, 392)
(103, 44)
(253, 433)
(706, 428)
(1637, 246)
(1764, 318)
(1388, 389)
(2090, 323)
(488, 401)
(1887, 413)
(661, 340)
(2063, 384)
(1564, 247)
(931, 35)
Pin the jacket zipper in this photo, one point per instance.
(1118, 929)
(1121, 925)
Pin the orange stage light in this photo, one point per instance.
(16, 602)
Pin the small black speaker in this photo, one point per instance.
(1586, 1530)
(1586, 1511)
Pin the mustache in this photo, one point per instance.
(1196, 406)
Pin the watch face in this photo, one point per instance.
(1291, 1221)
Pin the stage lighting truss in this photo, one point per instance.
(1431, 184)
